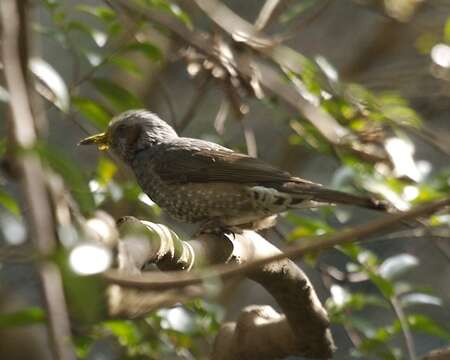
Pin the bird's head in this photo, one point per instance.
(131, 132)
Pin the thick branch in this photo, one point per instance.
(303, 329)
(262, 333)
(313, 244)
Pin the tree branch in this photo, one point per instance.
(23, 130)
(313, 244)
(302, 329)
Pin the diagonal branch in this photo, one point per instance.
(302, 329)
(313, 244)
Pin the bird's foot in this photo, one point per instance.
(217, 228)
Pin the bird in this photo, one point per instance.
(198, 181)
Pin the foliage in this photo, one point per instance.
(101, 43)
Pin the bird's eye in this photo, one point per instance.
(120, 128)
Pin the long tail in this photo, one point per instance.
(320, 194)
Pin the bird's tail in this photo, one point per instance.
(320, 194)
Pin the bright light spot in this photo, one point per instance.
(424, 168)
(326, 95)
(339, 294)
(13, 229)
(440, 54)
(397, 265)
(88, 259)
(327, 68)
(146, 200)
(193, 69)
(48, 75)
(410, 192)
(100, 227)
(94, 185)
(389, 194)
(175, 9)
(420, 298)
(177, 319)
(401, 153)
(304, 92)
(93, 58)
(99, 37)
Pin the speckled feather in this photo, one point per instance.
(199, 181)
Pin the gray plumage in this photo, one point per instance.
(199, 181)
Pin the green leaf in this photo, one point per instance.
(121, 98)
(30, 316)
(385, 286)
(51, 4)
(72, 175)
(126, 332)
(105, 171)
(173, 9)
(306, 226)
(397, 265)
(93, 111)
(447, 31)
(151, 51)
(101, 12)
(55, 89)
(426, 325)
(9, 203)
(127, 65)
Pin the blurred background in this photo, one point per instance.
(380, 70)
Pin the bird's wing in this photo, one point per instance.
(182, 164)
(205, 162)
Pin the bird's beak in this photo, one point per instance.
(101, 140)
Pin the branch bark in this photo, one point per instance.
(312, 244)
(261, 332)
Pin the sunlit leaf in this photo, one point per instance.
(420, 298)
(93, 111)
(29, 316)
(385, 286)
(447, 31)
(51, 4)
(397, 265)
(105, 171)
(306, 226)
(9, 203)
(104, 13)
(151, 51)
(127, 65)
(128, 335)
(121, 98)
(53, 81)
(425, 324)
(172, 8)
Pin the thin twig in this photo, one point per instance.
(312, 244)
(266, 14)
(168, 99)
(198, 98)
(250, 139)
(409, 342)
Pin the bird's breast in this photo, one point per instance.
(194, 202)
